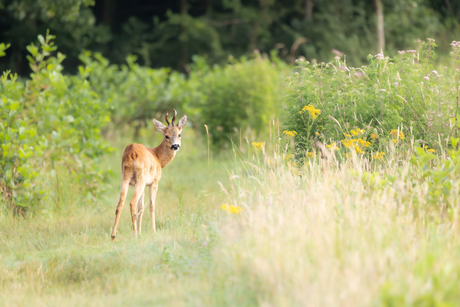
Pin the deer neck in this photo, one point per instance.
(164, 153)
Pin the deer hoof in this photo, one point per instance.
(113, 238)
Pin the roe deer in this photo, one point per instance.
(141, 167)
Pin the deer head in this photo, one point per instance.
(171, 132)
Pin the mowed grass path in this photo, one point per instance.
(67, 257)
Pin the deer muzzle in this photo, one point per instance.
(175, 147)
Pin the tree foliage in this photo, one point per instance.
(246, 92)
(50, 121)
(170, 34)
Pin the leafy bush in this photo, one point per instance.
(53, 121)
(441, 175)
(331, 102)
(50, 121)
(245, 92)
(138, 94)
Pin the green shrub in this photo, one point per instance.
(20, 147)
(328, 100)
(440, 174)
(50, 121)
(138, 94)
(244, 93)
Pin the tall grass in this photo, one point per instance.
(332, 237)
(328, 234)
(253, 228)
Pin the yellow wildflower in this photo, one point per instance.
(348, 143)
(290, 133)
(374, 136)
(317, 133)
(430, 150)
(259, 145)
(347, 135)
(379, 155)
(357, 131)
(364, 143)
(288, 156)
(333, 146)
(231, 209)
(395, 140)
(398, 134)
(295, 171)
(310, 154)
(311, 109)
(357, 144)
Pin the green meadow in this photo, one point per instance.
(314, 185)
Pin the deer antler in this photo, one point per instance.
(166, 119)
(174, 117)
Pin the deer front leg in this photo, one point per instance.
(121, 202)
(138, 192)
(140, 212)
(153, 195)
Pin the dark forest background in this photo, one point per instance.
(170, 33)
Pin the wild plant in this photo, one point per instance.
(332, 103)
(49, 122)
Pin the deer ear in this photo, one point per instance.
(182, 122)
(158, 125)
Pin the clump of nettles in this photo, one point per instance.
(369, 109)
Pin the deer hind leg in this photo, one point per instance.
(138, 192)
(153, 195)
(140, 212)
(121, 202)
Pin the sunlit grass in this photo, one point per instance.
(65, 255)
(252, 229)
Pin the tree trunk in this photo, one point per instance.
(449, 8)
(309, 10)
(380, 32)
(184, 44)
(106, 12)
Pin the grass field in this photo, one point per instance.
(331, 237)
(67, 257)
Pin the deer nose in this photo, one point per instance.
(175, 147)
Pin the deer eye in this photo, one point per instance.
(179, 135)
(167, 137)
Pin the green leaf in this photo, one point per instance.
(32, 49)
(41, 39)
(3, 47)
(9, 174)
(420, 151)
(14, 106)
